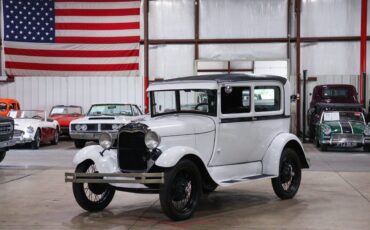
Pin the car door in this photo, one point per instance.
(249, 120)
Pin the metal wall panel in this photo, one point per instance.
(44, 92)
(243, 18)
(330, 18)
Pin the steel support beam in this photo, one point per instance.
(146, 54)
(298, 63)
(362, 85)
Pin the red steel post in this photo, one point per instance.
(362, 87)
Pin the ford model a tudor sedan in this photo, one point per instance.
(342, 129)
(102, 118)
(204, 132)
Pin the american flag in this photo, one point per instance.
(71, 37)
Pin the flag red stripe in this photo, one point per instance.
(97, 0)
(97, 26)
(98, 40)
(97, 12)
(72, 53)
(72, 67)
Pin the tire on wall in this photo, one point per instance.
(286, 185)
(180, 193)
(91, 197)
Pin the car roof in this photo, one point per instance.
(210, 81)
(220, 78)
(8, 100)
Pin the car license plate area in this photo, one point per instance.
(346, 144)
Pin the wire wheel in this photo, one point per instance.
(180, 194)
(286, 185)
(92, 196)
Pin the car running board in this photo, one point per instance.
(248, 178)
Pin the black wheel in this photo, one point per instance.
(180, 194)
(35, 144)
(366, 148)
(324, 147)
(2, 155)
(56, 137)
(80, 144)
(287, 183)
(317, 143)
(209, 187)
(91, 197)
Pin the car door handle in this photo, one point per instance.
(254, 118)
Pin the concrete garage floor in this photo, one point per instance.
(334, 194)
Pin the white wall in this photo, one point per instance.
(44, 92)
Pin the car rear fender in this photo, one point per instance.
(104, 164)
(171, 156)
(271, 159)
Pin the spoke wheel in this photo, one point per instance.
(56, 137)
(92, 197)
(286, 185)
(180, 194)
(35, 144)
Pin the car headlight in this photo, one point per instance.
(30, 129)
(105, 140)
(367, 131)
(327, 130)
(116, 126)
(81, 127)
(152, 140)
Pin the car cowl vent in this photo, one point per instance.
(101, 118)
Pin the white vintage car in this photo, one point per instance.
(32, 127)
(102, 118)
(204, 132)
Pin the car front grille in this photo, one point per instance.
(346, 137)
(6, 131)
(90, 127)
(132, 151)
(18, 133)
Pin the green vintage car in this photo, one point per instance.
(342, 129)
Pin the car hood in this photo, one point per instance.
(351, 127)
(64, 120)
(174, 125)
(104, 120)
(22, 124)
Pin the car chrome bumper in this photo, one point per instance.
(91, 136)
(22, 140)
(115, 178)
(6, 144)
(342, 141)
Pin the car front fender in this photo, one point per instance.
(104, 164)
(271, 159)
(171, 156)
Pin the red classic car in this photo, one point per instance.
(64, 114)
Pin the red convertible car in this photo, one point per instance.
(64, 114)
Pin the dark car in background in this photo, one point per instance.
(338, 97)
(6, 135)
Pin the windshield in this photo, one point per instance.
(66, 110)
(343, 116)
(327, 93)
(27, 114)
(3, 107)
(110, 110)
(187, 101)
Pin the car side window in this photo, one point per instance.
(267, 98)
(235, 100)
